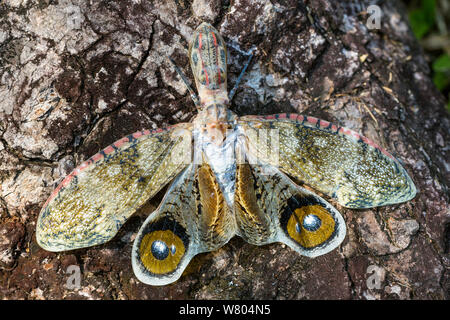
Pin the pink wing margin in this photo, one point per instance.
(335, 160)
(319, 123)
(99, 156)
(90, 205)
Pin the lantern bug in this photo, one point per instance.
(228, 176)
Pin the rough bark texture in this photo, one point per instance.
(75, 77)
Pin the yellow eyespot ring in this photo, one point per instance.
(310, 225)
(161, 251)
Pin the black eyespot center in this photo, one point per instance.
(160, 250)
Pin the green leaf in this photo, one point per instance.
(429, 7)
(422, 20)
(418, 23)
(442, 63)
(441, 80)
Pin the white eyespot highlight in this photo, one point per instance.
(311, 222)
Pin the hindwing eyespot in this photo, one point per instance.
(161, 251)
(162, 246)
(306, 221)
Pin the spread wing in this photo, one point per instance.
(192, 218)
(336, 161)
(269, 207)
(94, 201)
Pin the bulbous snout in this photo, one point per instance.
(208, 58)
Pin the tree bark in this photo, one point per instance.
(76, 76)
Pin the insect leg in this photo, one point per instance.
(233, 91)
(186, 82)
